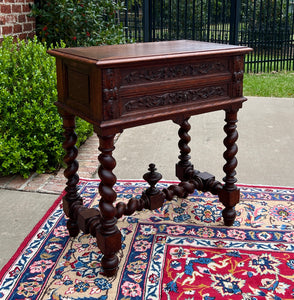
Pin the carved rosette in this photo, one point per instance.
(174, 98)
(238, 76)
(171, 72)
(110, 94)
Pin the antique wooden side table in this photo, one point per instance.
(121, 86)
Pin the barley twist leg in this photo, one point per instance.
(72, 199)
(230, 194)
(108, 235)
(184, 168)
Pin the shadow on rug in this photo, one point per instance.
(181, 251)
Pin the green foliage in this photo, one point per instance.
(30, 127)
(79, 22)
(133, 4)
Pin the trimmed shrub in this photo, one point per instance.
(79, 22)
(30, 126)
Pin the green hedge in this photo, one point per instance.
(79, 22)
(30, 127)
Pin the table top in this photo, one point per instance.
(127, 53)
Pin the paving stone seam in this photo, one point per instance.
(30, 179)
(89, 168)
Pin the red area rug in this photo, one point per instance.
(181, 251)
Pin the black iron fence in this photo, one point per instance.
(265, 25)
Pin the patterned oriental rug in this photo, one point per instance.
(181, 251)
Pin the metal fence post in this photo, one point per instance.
(146, 20)
(234, 22)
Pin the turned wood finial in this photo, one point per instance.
(152, 177)
(154, 198)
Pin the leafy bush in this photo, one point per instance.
(79, 22)
(30, 127)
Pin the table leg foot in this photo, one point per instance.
(110, 265)
(229, 199)
(72, 227)
(109, 245)
(229, 216)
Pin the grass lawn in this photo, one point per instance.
(277, 84)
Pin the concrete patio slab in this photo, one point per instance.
(266, 143)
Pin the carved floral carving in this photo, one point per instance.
(238, 76)
(174, 98)
(110, 95)
(174, 72)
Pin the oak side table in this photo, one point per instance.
(122, 86)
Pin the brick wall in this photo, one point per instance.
(14, 19)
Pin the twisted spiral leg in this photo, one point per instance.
(132, 206)
(108, 235)
(72, 200)
(230, 194)
(181, 190)
(184, 168)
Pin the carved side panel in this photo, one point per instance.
(110, 94)
(173, 72)
(174, 98)
(77, 87)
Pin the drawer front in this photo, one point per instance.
(144, 88)
(141, 75)
(134, 91)
(175, 99)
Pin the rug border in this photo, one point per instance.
(6, 267)
(24, 243)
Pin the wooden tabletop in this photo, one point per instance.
(127, 53)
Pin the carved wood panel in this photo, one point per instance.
(237, 80)
(174, 98)
(110, 94)
(143, 75)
